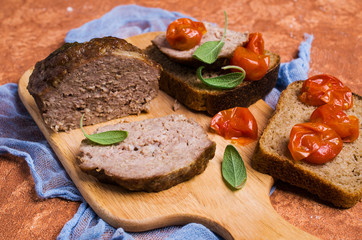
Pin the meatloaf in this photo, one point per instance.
(104, 78)
(157, 154)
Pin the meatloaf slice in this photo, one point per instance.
(105, 78)
(157, 154)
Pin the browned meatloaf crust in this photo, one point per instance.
(157, 154)
(104, 78)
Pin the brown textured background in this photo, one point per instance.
(30, 30)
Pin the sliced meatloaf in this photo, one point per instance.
(105, 78)
(157, 154)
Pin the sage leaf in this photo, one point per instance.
(227, 81)
(233, 168)
(209, 51)
(105, 138)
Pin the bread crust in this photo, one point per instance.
(281, 165)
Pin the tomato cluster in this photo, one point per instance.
(321, 139)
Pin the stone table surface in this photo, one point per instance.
(31, 30)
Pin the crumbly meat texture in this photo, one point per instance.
(157, 154)
(232, 40)
(104, 78)
(338, 181)
(180, 81)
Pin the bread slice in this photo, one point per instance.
(338, 181)
(157, 154)
(106, 78)
(180, 81)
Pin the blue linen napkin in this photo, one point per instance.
(20, 136)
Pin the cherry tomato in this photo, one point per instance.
(183, 34)
(251, 58)
(347, 127)
(324, 88)
(236, 123)
(256, 43)
(314, 142)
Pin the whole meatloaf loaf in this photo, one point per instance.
(105, 78)
(157, 154)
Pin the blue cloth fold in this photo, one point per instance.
(21, 137)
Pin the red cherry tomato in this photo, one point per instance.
(314, 142)
(183, 34)
(251, 58)
(324, 88)
(236, 123)
(347, 127)
(256, 43)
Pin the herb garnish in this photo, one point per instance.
(233, 168)
(105, 138)
(209, 51)
(226, 81)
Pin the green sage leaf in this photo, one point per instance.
(105, 138)
(209, 51)
(227, 81)
(233, 168)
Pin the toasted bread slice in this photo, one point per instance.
(338, 181)
(180, 81)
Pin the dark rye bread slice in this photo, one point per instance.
(338, 181)
(104, 78)
(157, 154)
(180, 81)
(232, 40)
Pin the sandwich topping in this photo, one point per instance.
(347, 127)
(183, 34)
(321, 139)
(252, 58)
(324, 88)
(314, 142)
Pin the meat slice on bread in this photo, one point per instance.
(232, 40)
(105, 78)
(338, 181)
(157, 154)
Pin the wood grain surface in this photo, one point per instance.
(204, 199)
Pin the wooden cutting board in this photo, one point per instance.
(205, 199)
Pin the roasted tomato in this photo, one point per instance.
(183, 34)
(251, 58)
(256, 43)
(314, 142)
(324, 88)
(236, 123)
(347, 127)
